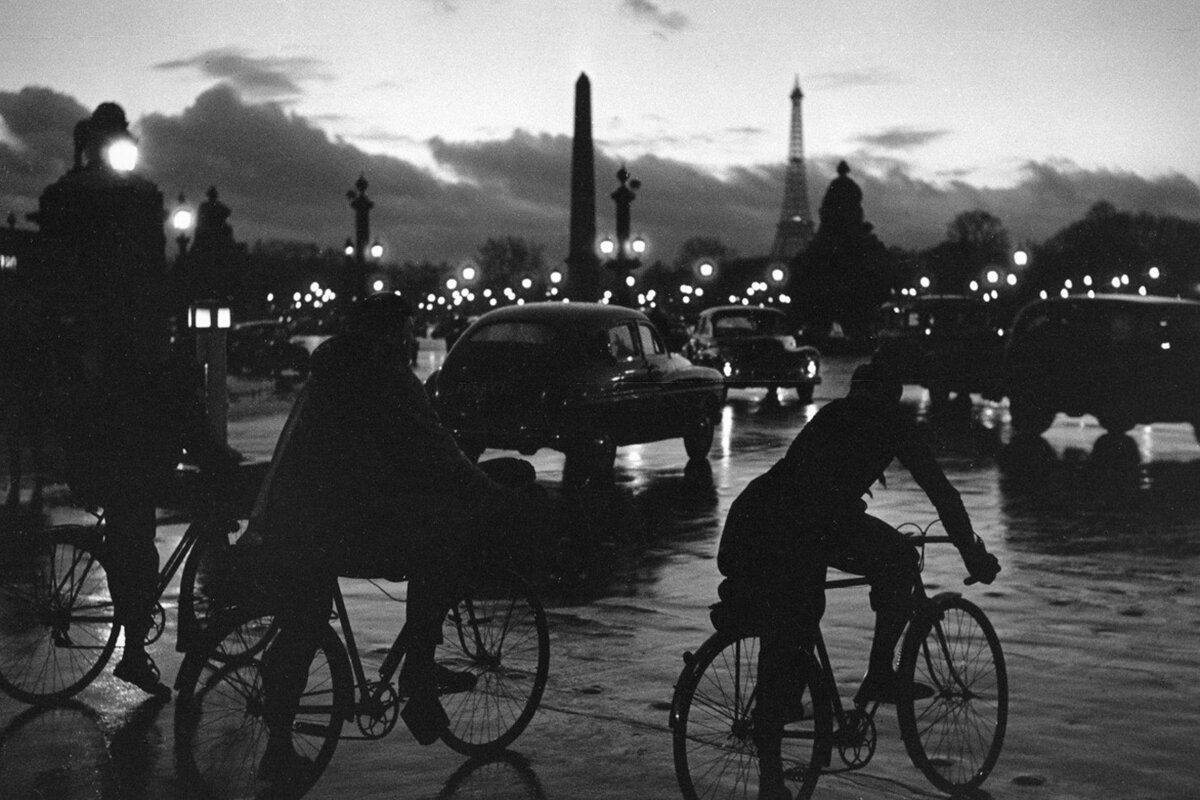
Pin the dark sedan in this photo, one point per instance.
(581, 378)
(755, 346)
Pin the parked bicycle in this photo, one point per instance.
(496, 631)
(57, 624)
(954, 736)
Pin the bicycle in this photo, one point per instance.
(496, 631)
(954, 737)
(58, 629)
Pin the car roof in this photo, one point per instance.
(1109, 301)
(932, 300)
(741, 309)
(552, 313)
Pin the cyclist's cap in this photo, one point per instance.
(875, 380)
(380, 311)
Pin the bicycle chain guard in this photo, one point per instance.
(378, 721)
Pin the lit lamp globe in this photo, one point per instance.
(638, 246)
(607, 247)
(121, 154)
(376, 250)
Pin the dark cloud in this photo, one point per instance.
(39, 145)
(665, 20)
(262, 78)
(285, 178)
(903, 138)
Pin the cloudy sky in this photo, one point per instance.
(459, 112)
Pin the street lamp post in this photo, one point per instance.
(362, 206)
(182, 220)
(210, 319)
(624, 252)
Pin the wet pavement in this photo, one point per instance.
(1098, 609)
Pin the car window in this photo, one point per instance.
(749, 323)
(651, 342)
(621, 342)
(514, 332)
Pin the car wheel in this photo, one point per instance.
(699, 441)
(804, 393)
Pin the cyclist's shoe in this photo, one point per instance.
(890, 688)
(425, 718)
(448, 681)
(286, 770)
(141, 671)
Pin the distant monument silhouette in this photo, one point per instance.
(795, 228)
(583, 265)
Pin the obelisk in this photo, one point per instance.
(583, 265)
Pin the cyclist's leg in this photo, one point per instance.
(868, 546)
(303, 615)
(131, 523)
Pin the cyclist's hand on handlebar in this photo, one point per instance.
(982, 565)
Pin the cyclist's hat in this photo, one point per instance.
(380, 312)
(875, 380)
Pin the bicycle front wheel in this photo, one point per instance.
(955, 736)
(220, 730)
(499, 635)
(57, 627)
(713, 717)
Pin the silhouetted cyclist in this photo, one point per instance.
(807, 512)
(366, 482)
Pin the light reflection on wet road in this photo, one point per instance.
(1098, 608)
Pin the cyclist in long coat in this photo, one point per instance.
(366, 482)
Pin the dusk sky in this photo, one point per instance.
(459, 112)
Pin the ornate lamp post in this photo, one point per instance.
(623, 254)
(182, 220)
(362, 206)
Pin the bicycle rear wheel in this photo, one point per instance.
(713, 719)
(955, 736)
(499, 635)
(57, 628)
(220, 732)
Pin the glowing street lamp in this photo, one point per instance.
(376, 250)
(182, 220)
(619, 252)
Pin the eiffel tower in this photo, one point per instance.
(795, 229)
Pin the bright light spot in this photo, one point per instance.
(487, 292)
(685, 288)
(1020, 258)
(1154, 273)
(270, 297)
(182, 220)
(451, 283)
(1011, 280)
(699, 292)
(1067, 284)
(376, 250)
(526, 283)
(607, 246)
(1042, 294)
(974, 285)
(777, 275)
(431, 297)
(468, 273)
(308, 298)
(296, 297)
(1116, 283)
(122, 155)
(707, 269)
(924, 282)
(349, 249)
(630, 281)
(556, 277)
(1087, 280)
(1142, 291)
(377, 286)
(638, 245)
(992, 276)
(1091, 293)
(1165, 345)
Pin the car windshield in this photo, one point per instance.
(750, 323)
(514, 333)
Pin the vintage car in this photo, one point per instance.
(1125, 360)
(580, 378)
(948, 344)
(754, 346)
(262, 348)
